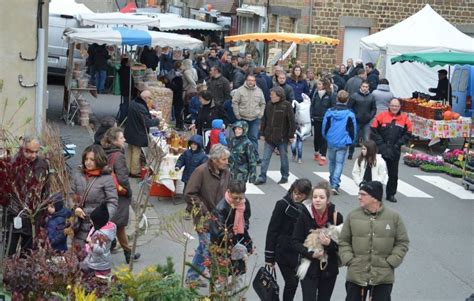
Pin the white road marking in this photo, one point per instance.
(275, 175)
(347, 184)
(411, 191)
(253, 189)
(448, 186)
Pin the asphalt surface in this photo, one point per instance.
(439, 264)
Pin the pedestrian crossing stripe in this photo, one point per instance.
(275, 175)
(448, 186)
(252, 189)
(349, 186)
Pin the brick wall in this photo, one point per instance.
(384, 13)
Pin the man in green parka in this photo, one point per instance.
(372, 244)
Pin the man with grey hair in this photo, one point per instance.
(204, 190)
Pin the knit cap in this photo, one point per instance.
(100, 216)
(373, 188)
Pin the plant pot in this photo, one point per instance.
(432, 168)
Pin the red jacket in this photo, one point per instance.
(390, 132)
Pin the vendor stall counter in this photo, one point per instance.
(434, 130)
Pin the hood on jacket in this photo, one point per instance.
(187, 64)
(109, 230)
(383, 87)
(341, 111)
(241, 124)
(217, 123)
(196, 139)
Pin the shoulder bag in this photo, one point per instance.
(265, 284)
(121, 191)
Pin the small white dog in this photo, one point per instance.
(313, 243)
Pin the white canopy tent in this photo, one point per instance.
(114, 19)
(68, 7)
(425, 31)
(173, 22)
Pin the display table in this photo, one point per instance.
(438, 129)
(72, 107)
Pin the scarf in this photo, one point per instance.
(93, 172)
(321, 220)
(239, 222)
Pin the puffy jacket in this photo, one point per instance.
(319, 106)
(364, 107)
(139, 122)
(372, 246)
(382, 96)
(303, 225)
(248, 103)
(191, 159)
(390, 132)
(238, 78)
(190, 76)
(243, 159)
(339, 126)
(220, 89)
(278, 245)
(289, 93)
(373, 79)
(55, 225)
(99, 258)
(278, 123)
(298, 86)
(217, 134)
(379, 171)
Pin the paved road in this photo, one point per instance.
(437, 211)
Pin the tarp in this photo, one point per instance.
(115, 19)
(298, 38)
(124, 36)
(173, 22)
(129, 8)
(433, 59)
(68, 8)
(425, 31)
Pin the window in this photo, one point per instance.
(352, 36)
(463, 82)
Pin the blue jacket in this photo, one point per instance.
(339, 126)
(298, 88)
(55, 225)
(262, 83)
(191, 159)
(194, 106)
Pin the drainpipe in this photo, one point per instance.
(39, 110)
(309, 31)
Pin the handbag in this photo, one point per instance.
(121, 191)
(76, 225)
(265, 284)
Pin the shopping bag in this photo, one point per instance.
(265, 284)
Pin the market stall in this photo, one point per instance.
(119, 37)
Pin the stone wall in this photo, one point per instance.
(379, 14)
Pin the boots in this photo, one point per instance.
(128, 254)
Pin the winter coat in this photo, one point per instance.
(219, 88)
(278, 245)
(149, 58)
(228, 71)
(372, 246)
(203, 74)
(213, 62)
(339, 126)
(278, 122)
(55, 225)
(121, 172)
(339, 80)
(217, 134)
(99, 257)
(124, 76)
(379, 171)
(264, 82)
(303, 225)
(289, 93)
(364, 107)
(194, 107)
(101, 56)
(303, 118)
(139, 122)
(191, 159)
(207, 113)
(319, 106)
(102, 190)
(353, 85)
(205, 188)
(390, 132)
(353, 72)
(248, 103)
(243, 159)
(166, 62)
(190, 76)
(373, 79)
(175, 83)
(382, 96)
(238, 78)
(298, 86)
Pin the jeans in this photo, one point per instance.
(320, 144)
(363, 131)
(252, 134)
(100, 76)
(336, 156)
(200, 256)
(379, 292)
(297, 147)
(267, 155)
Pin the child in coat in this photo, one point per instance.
(243, 158)
(303, 126)
(56, 223)
(99, 241)
(217, 134)
(191, 158)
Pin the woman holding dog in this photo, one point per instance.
(318, 213)
(278, 247)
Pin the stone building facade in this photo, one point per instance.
(346, 19)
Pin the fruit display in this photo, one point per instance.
(431, 109)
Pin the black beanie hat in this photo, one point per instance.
(56, 200)
(374, 188)
(100, 216)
